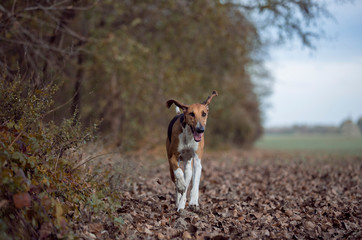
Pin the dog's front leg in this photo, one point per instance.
(180, 185)
(188, 175)
(194, 198)
(178, 197)
(178, 178)
(180, 181)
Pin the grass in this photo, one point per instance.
(327, 143)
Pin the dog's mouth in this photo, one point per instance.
(197, 136)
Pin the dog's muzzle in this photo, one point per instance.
(198, 132)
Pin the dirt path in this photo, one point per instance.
(251, 195)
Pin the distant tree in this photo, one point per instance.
(282, 20)
(359, 124)
(349, 128)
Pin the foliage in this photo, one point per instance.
(19, 103)
(43, 192)
(359, 123)
(38, 34)
(144, 68)
(121, 60)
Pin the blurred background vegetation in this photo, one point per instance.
(68, 64)
(120, 60)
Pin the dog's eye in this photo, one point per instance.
(203, 114)
(192, 114)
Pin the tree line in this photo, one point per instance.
(119, 61)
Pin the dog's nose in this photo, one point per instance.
(200, 129)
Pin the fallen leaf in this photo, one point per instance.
(186, 235)
(95, 227)
(160, 236)
(309, 225)
(288, 212)
(3, 203)
(258, 215)
(147, 231)
(22, 200)
(297, 217)
(45, 231)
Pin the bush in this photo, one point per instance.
(42, 190)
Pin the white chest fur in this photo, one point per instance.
(187, 146)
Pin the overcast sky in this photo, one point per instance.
(322, 86)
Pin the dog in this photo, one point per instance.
(185, 144)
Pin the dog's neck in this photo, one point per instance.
(186, 140)
(187, 146)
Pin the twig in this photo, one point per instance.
(56, 162)
(56, 7)
(13, 8)
(38, 44)
(54, 109)
(17, 137)
(91, 158)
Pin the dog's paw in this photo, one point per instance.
(193, 203)
(194, 197)
(194, 208)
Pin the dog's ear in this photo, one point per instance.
(208, 100)
(177, 103)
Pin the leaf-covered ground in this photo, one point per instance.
(248, 195)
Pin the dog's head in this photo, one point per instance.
(195, 115)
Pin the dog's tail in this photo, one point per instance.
(178, 111)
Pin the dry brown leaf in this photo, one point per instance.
(258, 215)
(297, 218)
(95, 227)
(288, 212)
(186, 235)
(170, 232)
(160, 236)
(22, 200)
(45, 231)
(3, 203)
(309, 225)
(147, 231)
(164, 221)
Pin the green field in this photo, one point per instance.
(309, 142)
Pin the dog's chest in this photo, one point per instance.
(187, 146)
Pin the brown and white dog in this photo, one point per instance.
(185, 144)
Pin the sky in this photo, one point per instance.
(322, 86)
